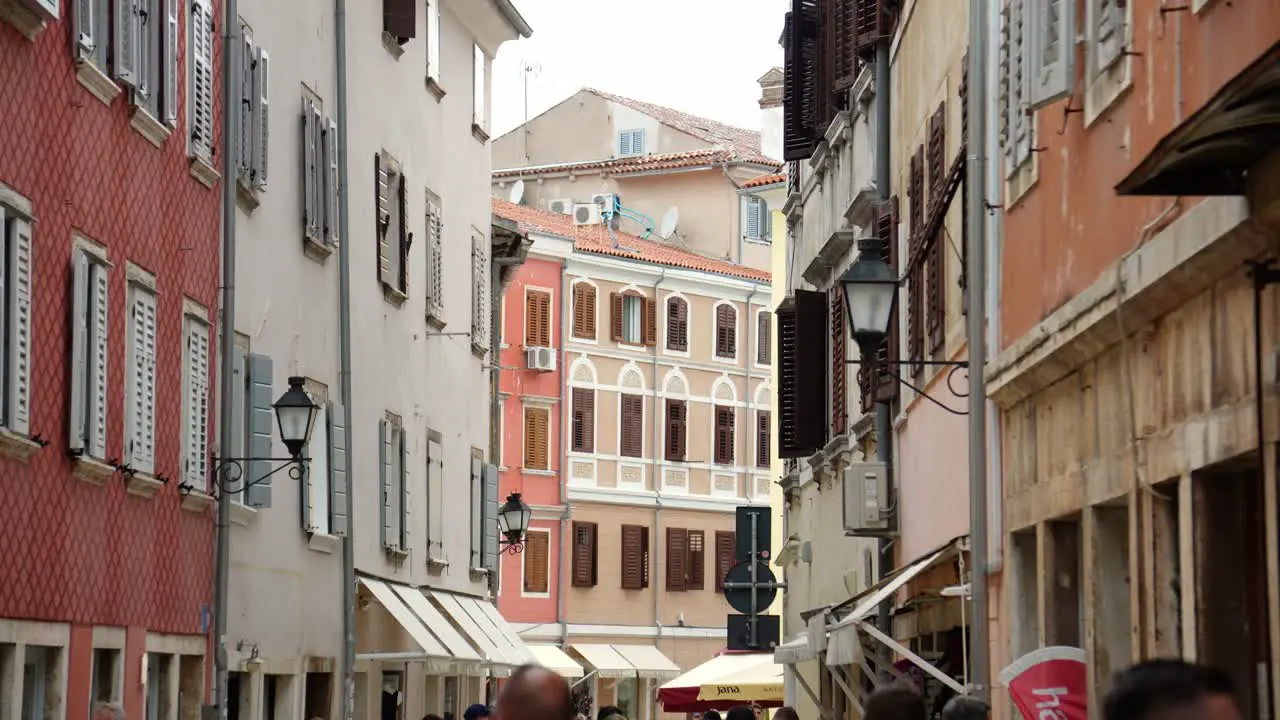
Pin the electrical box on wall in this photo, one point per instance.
(867, 509)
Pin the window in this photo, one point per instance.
(319, 175)
(317, 488)
(1015, 123)
(433, 42)
(435, 496)
(677, 324)
(480, 114)
(15, 322)
(537, 425)
(536, 562)
(764, 338)
(724, 435)
(677, 436)
(635, 557)
(89, 356)
(200, 79)
(631, 426)
(763, 434)
(726, 331)
(584, 311)
(254, 108)
(399, 20)
(634, 319)
(585, 536)
(697, 561)
(631, 142)
(584, 420)
(537, 318)
(480, 313)
(435, 259)
(803, 362)
(839, 353)
(195, 383)
(105, 680)
(395, 487)
(158, 668)
(685, 559)
(140, 404)
(42, 688)
(755, 223)
(1052, 67)
(725, 559)
(147, 54)
(393, 224)
(92, 21)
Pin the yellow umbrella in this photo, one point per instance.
(758, 682)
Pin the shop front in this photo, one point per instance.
(623, 675)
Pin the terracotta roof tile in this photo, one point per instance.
(597, 239)
(627, 165)
(746, 143)
(765, 180)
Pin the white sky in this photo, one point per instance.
(699, 56)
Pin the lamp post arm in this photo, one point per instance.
(228, 473)
(921, 392)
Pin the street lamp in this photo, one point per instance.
(870, 293)
(513, 522)
(296, 415)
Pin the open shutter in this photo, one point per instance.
(142, 409)
(384, 483)
(201, 55)
(1053, 53)
(802, 373)
(490, 560)
(170, 64)
(146, 15)
(633, 557)
(332, 198)
(99, 302)
(262, 419)
(724, 556)
(245, 103)
(764, 339)
(839, 353)
(584, 554)
(433, 40)
(677, 559)
(697, 560)
(84, 27)
(338, 487)
(1108, 21)
(762, 438)
(800, 88)
(650, 321)
(76, 436)
(382, 195)
(402, 479)
(198, 405)
(16, 303)
(615, 303)
(124, 30)
(399, 18)
(477, 510)
(402, 233)
(259, 153)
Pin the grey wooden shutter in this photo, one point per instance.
(145, 16)
(77, 442)
(306, 486)
(16, 247)
(1107, 19)
(382, 194)
(125, 32)
(337, 470)
(330, 169)
(1052, 34)
(308, 164)
(490, 517)
(384, 477)
(235, 446)
(262, 418)
(98, 340)
(170, 64)
(142, 410)
(200, 53)
(477, 511)
(402, 476)
(84, 27)
(246, 105)
(261, 137)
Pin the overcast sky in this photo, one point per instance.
(700, 56)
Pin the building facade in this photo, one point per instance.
(110, 202)
(664, 415)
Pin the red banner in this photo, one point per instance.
(1049, 684)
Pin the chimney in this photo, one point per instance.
(771, 113)
(771, 89)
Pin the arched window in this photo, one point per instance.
(582, 430)
(677, 324)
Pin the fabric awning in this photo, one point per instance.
(648, 661)
(502, 632)
(723, 682)
(604, 660)
(405, 617)
(555, 660)
(457, 646)
(501, 652)
(794, 651)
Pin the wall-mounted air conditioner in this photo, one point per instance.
(564, 206)
(866, 500)
(541, 359)
(586, 214)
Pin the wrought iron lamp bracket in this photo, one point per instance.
(228, 473)
(955, 365)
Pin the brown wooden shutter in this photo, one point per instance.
(937, 152)
(875, 385)
(764, 344)
(762, 438)
(406, 237)
(537, 319)
(676, 430)
(964, 185)
(536, 547)
(839, 352)
(726, 332)
(584, 420)
(915, 279)
(846, 62)
(697, 562)
(872, 22)
(584, 311)
(677, 559)
(615, 302)
(536, 438)
(677, 324)
(399, 19)
(802, 57)
(724, 435)
(724, 556)
(649, 328)
(802, 373)
(632, 431)
(635, 551)
(585, 536)
(935, 299)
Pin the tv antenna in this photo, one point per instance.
(528, 67)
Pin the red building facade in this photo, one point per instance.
(106, 563)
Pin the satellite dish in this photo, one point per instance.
(668, 224)
(517, 192)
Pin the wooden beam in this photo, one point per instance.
(1044, 580)
(1137, 590)
(1089, 581)
(1187, 564)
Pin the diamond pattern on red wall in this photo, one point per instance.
(74, 552)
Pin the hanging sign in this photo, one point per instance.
(1049, 684)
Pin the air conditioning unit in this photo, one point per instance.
(866, 500)
(607, 202)
(564, 206)
(586, 214)
(540, 358)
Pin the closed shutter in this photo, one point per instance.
(632, 431)
(839, 352)
(402, 233)
(244, 102)
(635, 557)
(382, 195)
(435, 259)
(584, 553)
(399, 19)
(536, 553)
(170, 69)
(338, 490)
(536, 440)
(402, 481)
(764, 344)
(584, 311)
(677, 559)
(697, 561)
(724, 435)
(649, 326)
(15, 299)
(802, 373)
(802, 56)
(147, 16)
(142, 380)
(724, 556)
(584, 420)
(677, 325)
(537, 319)
(676, 430)
(260, 155)
(332, 196)
(762, 439)
(197, 424)
(615, 304)
(726, 331)
(385, 476)
(99, 301)
(1052, 51)
(310, 149)
(201, 57)
(125, 32)
(262, 422)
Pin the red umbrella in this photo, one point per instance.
(1050, 683)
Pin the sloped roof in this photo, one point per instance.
(626, 165)
(598, 239)
(746, 143)
(765, 180)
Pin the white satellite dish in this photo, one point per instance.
(668, 224)
(517, 192)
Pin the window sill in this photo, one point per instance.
(534, 471)
(435, 88)
(535, 595)
(247, 196)
(479, 350)
(635, 347)
(316, 250)
(585, 340)
(479, 133)
(13, 445)
(323, 542)
(478, 573)
(204, 172)
(437, 565)
(27, 22)
(150, 128)
(725, 360)
(97, 82)
(435, 320)
(395, 296)
(143, 486)
(242, 514)
(392, 45)
(197, 502)
(758, 241)
(94, 472)
(395, 553)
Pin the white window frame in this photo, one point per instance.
(757, 207)
(90, 329)
(17, 247)
(141, 372)
(433, 45)
(479, 89)
(195, 399)
(524, 558)
(628, 140)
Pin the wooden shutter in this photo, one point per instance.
(635, 557)
(846, 64)
(536, 546)
(632, 430)
(915, 294)
(1053, 62)
(677, 559)
(585, 536)
(676, 421)
(724, 556)
(764, 344)
(936, 299)
(615, 302)
(584, 311)
(677, 324)
(537, 319)
(584, 420)
(762, 438)
(399, 19)
(937, 153)
(724, 435)
(802, 56)
(726, 331)
(536, 438)
(649, 326)
(802, 373)
(696, 563)
(839, 352)
(871, 23)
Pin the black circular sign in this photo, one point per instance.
(739, 598)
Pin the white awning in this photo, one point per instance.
(431, 617)
(460, 610)
(515, 648)
(794, 650)
(408, 621)
(648, 661)
(604, 660)
(555, 660)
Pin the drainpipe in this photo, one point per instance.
(749, 394)
(226, 427)
(657, 488)
(975, 326)
(344, 366)
(566, 322)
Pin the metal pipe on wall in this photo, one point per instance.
(657, 493)
(884, 411)
(562, 571)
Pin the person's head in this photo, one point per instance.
(475, 712)
(1169, 689)
(535, 693)
(786, 712)
(431, 716)
(609, 711)
(107, 711)
(966, 707)
(741, 712)
(894, 702)
(711, 715)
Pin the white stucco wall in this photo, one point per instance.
(771, 132)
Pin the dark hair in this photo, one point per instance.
(966, 707)
(608, 711)
(525, 697)
(711, 715)
(786, 712)
(741, 712)
(895, 702)
(1140, 691)
(431, 716)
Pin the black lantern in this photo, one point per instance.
(296, 414)
(513, 520)
(870, 293)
